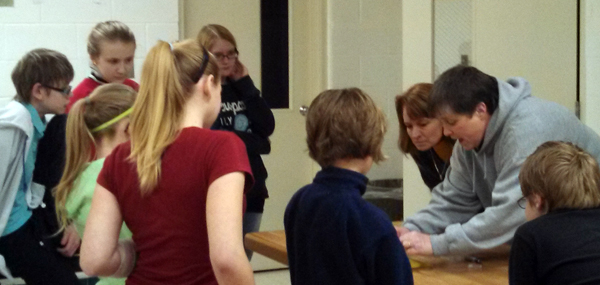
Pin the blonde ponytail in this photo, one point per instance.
(169, 74)
(104, 104)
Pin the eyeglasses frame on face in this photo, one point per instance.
(522, 202)
(65, 92)
(230, 55)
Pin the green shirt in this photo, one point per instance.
(79, 203)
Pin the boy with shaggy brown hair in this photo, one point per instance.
(561, 195)
(333, 235)
(41, 79)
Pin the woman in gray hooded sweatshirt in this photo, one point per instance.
(497, 124)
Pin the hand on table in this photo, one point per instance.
(70, 241)
(400, 230)
(415, 243)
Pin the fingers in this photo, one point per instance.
(241, 69)
(411, 247)
(70, 242)
(407, 242)
(412, 251)
(400, 230)
(416, 243)
(239, 65)
(70, 247)
(67, 251)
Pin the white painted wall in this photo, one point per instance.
(365, 51)
(417, 53)
(452, 33)
(532, 39)
(590, 64)
(64, 25)
(241, 17)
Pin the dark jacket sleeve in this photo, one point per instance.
(521, 266)
(51, 153)
(257, 143)
(49, 165)
(257, 110)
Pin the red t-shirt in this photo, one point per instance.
(88, 85)
(169, 225)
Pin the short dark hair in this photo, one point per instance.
(344, 123)
(462, 88)
(44, 66)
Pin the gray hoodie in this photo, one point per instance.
(475, 207)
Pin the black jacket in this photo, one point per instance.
(245, 112)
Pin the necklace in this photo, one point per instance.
(435, 164)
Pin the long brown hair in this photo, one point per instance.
(416, 102)
(105, 103)
(169, 74)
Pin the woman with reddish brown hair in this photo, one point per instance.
(422, 135)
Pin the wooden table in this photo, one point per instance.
(492, 270)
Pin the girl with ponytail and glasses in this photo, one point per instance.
(178, 185)
(95, 126)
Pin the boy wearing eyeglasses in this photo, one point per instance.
(561, 195)
(41, 79)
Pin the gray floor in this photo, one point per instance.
(273, 277)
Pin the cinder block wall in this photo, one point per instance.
(64, 25)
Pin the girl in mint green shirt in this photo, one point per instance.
(95, 126)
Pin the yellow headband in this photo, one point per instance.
(112, 121)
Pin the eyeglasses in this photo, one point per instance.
(66, 91)
(230, 55)
(522, 202)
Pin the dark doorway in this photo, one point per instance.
(275, 53)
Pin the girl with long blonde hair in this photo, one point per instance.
(177, 185)
(94, 128)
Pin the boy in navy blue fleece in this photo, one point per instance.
(333, 235)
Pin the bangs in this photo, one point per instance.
(415, 108)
